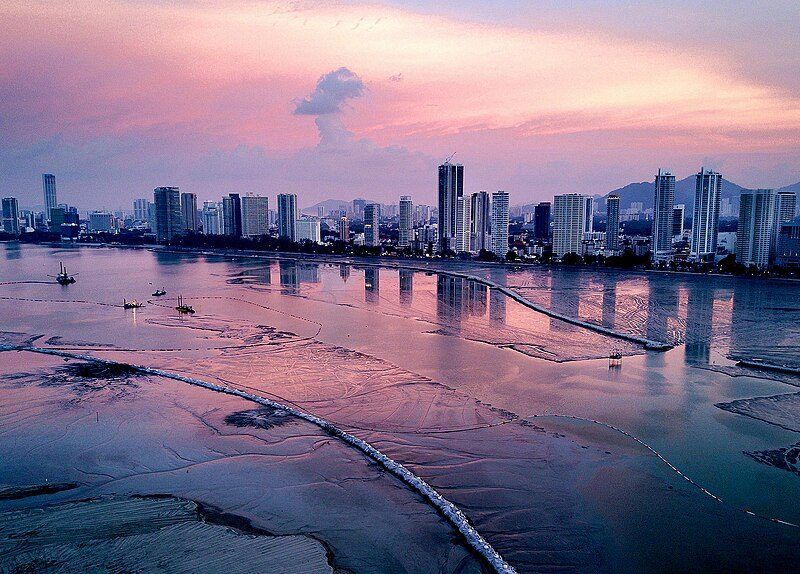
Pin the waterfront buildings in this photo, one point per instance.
(189, 212)
(480, 222)
(232, 215)
(705, 221)
(287, 216)
(167, 212)
(49, 189)
(663, 206)
(785, 210)
(343, 228)
(541, 220)
(372, 216)
(406, 224)
(308, 229)
(255, 215)
(755, 237)
(451, 188)
(612, 222)
(500, 223)
(140, 209)
(788, 249)
(678, 219)
(98, 221)
(588, 222)
(463, 218)
(11, 215)
(210, 219)
(569, 223)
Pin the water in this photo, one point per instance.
(448, 377)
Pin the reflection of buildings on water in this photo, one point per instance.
(476, 298)
(344, 271)
(449, 298)
(288, 272)
(263, 275)
(372, 284)
(662, 304)
(751, 308)
(406, 286)
(308, 272)
(497, 307)
(564, 298)
(699, 323)
(609, 313)
(12, 251)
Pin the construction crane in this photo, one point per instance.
(451, 156)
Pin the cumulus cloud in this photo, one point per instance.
(333, 89)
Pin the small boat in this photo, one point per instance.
(132, 304)
(63, 277)
(614, 359)
(183, 307)
(159, 293)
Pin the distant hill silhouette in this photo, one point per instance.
(684, 193)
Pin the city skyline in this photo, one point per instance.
(299, 119)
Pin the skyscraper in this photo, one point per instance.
(140, 209)
(209, 218)
(569, 223)
(480, 222)
(287, 216)
(232, 215)
(612, 222)
(167, 202)
(358, 208)
(678, 218)
(11, 215)
(705, 220)
(541, 220)
(372, 215)
(785, 209)
(755, 237)
(344, 229)
(308, 229)
(451, 188)
(406, 226)
(189, 212)
(588, 222)
(663, 204)
(255, 215)
(500, 223)
(463, 219)
(49, 188)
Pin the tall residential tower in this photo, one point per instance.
(663, 206)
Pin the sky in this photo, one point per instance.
(364, 99)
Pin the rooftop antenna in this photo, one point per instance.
(447, 160)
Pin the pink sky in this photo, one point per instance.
(119, 97)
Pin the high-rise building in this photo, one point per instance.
(678, 218)
(788, 250)
(99, 221)
(541, 220)
(167, 202)
(308, 229)
(588, 222)
(480, 222)
(705, 220)
(344, 229)
(11, 215)
(406, 225)
(255, 215)
(49, 189)
(463, 223)
(754, 236)
(209, 218)
(500, 223)
(358, 208)
(569, 223)
(372, 216)
(56, 219)
(451, 188)
(785, 209)
(287, 216)
(612, 222)
(232, 215)
(140, 209)
(663, 205)
(189, 212)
